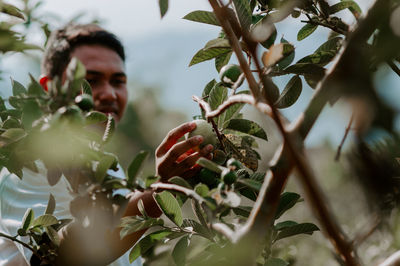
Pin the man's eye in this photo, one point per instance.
(92, 81)
(118, 82)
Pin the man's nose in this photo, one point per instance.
(107, 93)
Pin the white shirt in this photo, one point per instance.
(33, 191)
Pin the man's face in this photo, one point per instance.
(105, 71)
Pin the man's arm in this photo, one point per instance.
(100, 245)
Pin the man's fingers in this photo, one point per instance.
(173, 136)
(190, 161)
(181, 148)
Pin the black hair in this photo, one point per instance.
(63, 41)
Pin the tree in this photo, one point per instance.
(342, 67)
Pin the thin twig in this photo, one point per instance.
(393, 67)
(346, 133)
(15, 239)
(359, 239)
(234, 99)
(186, 191)
(393, 260)
(326, 25)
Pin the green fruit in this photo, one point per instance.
(229, 74)
(208, 177)
(233, 163)
(228, 176)
(205, 130)
(84, 101)
(219, 157)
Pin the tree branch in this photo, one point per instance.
(344, 138)
(15, 239)
(186, 191)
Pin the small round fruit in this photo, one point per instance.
(207, 177)
(228, 176)
(233, 163)
(229, 74)
(205, 130)
(84, 101)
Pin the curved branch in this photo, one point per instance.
(186, 191)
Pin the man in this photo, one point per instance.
(103, 56)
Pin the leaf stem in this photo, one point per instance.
(15, 239)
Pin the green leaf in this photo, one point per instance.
(28, 218)
(102, 167)
(133, 224)
(222, 60)
(247, 127)
(290, 94)
(170, 206)
(135, 166)
(34, 88)
(95, 117)
(75, 70)
(146, 243)
(44, 220)
(275, 262)
(86, 88)
(217, 96)
(255, 185)
(180, 250)
(306, 69)
(202, 17)
(303, 228)
(198, 228)
(151, 180)
(288, 59)
(17, 88)
(201, 189)
(179, 181)
(287, 201)
(208, 88)
(53, 235)
(30, 112)
(319, 58)
(242, 211)
(351, 5)
(14, 134)
(163, 7)
(244, 12)
(210, 165)
(284, 225)
(11, 10)
(51, 205)
(331, 44)
(306, 31)
(208, 54)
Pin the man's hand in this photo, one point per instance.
(175, 158)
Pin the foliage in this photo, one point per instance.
(239, 212)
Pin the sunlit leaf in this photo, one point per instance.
(170, 206)
(208, 54)
(284, 225)
(95, 117)
(179, 181)
(210, 165)
(51, 205)
(28, 218)
(11, 10)
(243, 12)
(248, 127)
(331, 44)
(202, 17)
(101, 169)
(44, 220)
(222, 60)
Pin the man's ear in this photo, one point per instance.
(43, 81)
